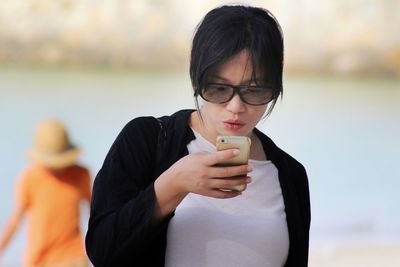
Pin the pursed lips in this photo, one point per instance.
(233, 124)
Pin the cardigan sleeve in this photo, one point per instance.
(123, 197)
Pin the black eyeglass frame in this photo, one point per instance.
(237, 90)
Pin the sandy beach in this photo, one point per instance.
(355, 255)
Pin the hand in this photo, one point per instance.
(198, 174)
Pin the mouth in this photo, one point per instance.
(233, 124)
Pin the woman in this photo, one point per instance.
(49, 192)
(157, 200)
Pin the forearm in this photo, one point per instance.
(10, 228)
(122, 233)
(168, 195)
(5, 238)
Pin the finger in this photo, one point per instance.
(229, 171)
(218, 156)
(217, 193)
(229, 182)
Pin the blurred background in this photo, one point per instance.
(96, 64)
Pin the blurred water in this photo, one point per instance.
(345, 131)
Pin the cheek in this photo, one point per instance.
(210, 111)
(257, 113)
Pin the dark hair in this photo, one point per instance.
(227, 30)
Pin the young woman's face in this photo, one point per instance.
(234, 117)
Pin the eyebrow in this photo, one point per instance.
(216, 76)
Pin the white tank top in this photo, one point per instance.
(248, 230)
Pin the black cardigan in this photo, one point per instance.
(120, 233)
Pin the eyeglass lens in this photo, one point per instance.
(221, 93)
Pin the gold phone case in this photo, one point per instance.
(242, 143)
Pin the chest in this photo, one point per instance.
(232, 232)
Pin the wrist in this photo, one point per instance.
(173, 182)
(168, 195)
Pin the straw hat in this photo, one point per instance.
(51, 146)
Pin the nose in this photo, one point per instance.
(236, 105)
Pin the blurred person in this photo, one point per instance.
(159, 199)
(49, 192)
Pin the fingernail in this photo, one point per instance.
(249, 168)
(248, 180)
(236, 152)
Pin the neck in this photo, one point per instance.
(200, 126)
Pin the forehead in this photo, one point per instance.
(237, 69)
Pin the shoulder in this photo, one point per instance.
(134, 141)
(178, 120)
(30, 178)
(31, 172)
(80, 171)
(279, 156)
(147, 128)
(28, 170)
(291, 162)
(25, 175)
(141, 124)
(138, 130)
(141, 133)
(149, 122)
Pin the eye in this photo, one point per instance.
(218, 87)
(253, 90)
(257, 95)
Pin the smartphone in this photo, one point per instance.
(242, 143)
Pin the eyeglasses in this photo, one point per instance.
(219, 93)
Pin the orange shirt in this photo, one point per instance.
(52, 205)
